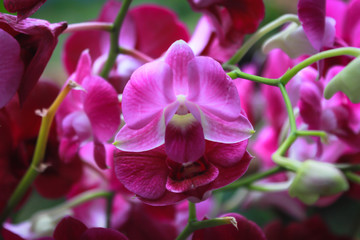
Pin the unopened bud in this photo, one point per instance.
(347, 81)
(317, 179)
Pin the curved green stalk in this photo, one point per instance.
(316, 57)
(114, 39)
(36, 166)
(259, 34)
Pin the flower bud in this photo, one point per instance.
(346, 81)
(291, 40)
(317, 179)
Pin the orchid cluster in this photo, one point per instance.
(162, 133)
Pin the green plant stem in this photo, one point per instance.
(196, 225)
(75, 27)
(192, 212)
(36, 164)
(114, 39)
(109, 204)
(321, 134)
(289, 107)
(252, 178)
(352, 177)
(135, 54)
(319, 56)
(259, 34)
(238, 74)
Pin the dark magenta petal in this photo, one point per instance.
(143, 173)
(225, 155)
(312, 16)
(148, 92)
(37, 40)
(232, 16)
(310, 105)
(75, 45)
(184, 139)
(102, 233)
(7, 235)
(11, 67)
(149, 28)
(59, 177)
(245, 229)
(69, 228)
(229, 174)
(24, 8)
(178, 57)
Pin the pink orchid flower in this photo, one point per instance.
(180, 101)
(89, 115)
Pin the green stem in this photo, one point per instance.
(109, 204)
(321, 134)
(289, 107)
(193, 226)
(319, 56)
(352, 177)
(58, 212)
(36, 163)
(238, 74)
(192, 212)
(135, 54)
(348, 167)
(102, 26)
(270, 187)
(259, 34)
(252, 178)
(114, 39)
(285, 162)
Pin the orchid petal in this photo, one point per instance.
(184, 139)
(102, 233)
(312, 16)
(11, 67)
(178, 56)
(218, 130)
(225, 155)
(67, 227)
(143, 173)
(170, 29)
(211, 89)
(102, 107)
(146, 138)
(148, 92)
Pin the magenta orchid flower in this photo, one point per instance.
(181, 101)
(89, 115)
(30, 44)
(158, 180)
(24, 8)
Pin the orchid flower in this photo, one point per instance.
(181, 101)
